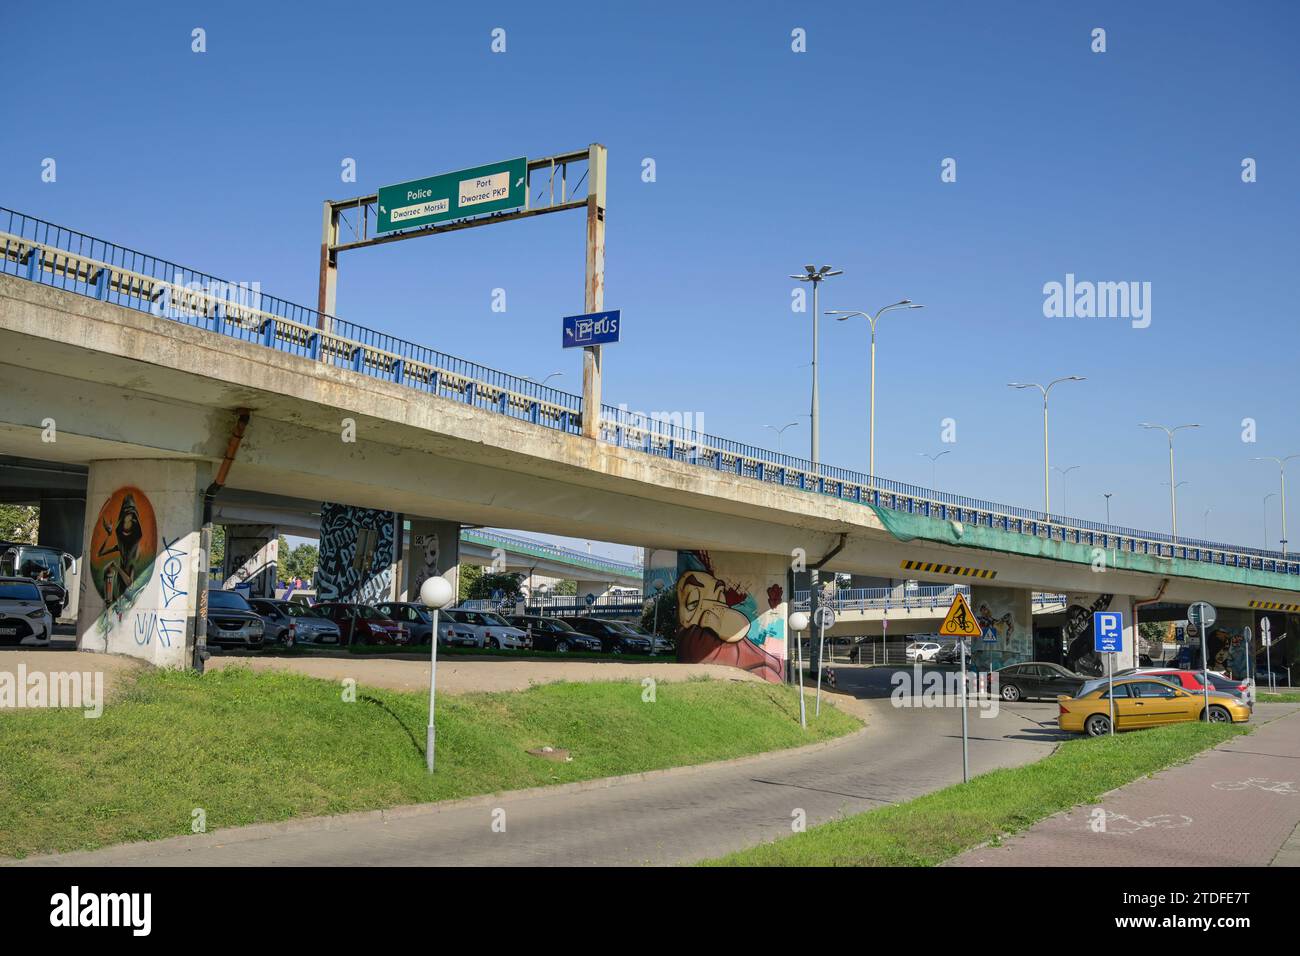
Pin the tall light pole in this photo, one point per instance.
(1107, 495)
(779, 432)
(1046, 389)
(873, 319)
(1064, 473)
(933, 469)
(544, 380)
(1271, 494)
(1205, 531)
(816, 276)
(1173, 485)
(1281, 471)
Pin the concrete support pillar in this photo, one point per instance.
(1077, 637)
(732, 609)
(141, 559)
(63, 526)
(358, 554)
(594, 589)
(432, 547)
(1006, 619)
(252, 558)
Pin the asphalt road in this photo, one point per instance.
(671, 818)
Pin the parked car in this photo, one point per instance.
(922, 651)
(1141, 701)
(491, 629)
(24, 616)
(1191, 680)
(290, 623)
(552, 634)
(454, 630)
(662, 644)
(613, 639)
(1039, 679)
(950, 653)
(47, 567)
(232, 622)
(363, 624)
(416, 617)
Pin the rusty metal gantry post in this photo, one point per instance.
(594, 289)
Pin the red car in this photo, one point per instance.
(1191, 680)
(362, 624)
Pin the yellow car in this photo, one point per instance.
(1143, 702)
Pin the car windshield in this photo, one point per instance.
(227, 601)
(33, 563)
(368, 613)
(18, 591)
(296, 610)
(493, 619)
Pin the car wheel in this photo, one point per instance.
(1010, 693)
(562, 647)
(616, 649)
(1219, 715)
(493, 643)
(1098, 725)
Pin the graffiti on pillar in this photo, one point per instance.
(1006, 635)
(1076, 635)
(720, 622)
(427, 555)
(358, 548)
(123, 548)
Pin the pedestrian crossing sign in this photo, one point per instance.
(960, 620)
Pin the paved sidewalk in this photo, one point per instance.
(1235, 805)
(676, 817)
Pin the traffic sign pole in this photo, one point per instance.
(1205, 617)
(1108, 639)
(960, 623)
(965, 733)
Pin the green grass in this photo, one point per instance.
(1265, 697)
(249, 747)
(422, 650)
(938, 826)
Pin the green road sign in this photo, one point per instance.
(466, 192)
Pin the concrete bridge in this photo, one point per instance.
(151, 405)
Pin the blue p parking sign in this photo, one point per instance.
(1107, 632)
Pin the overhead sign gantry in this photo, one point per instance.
(479, 196)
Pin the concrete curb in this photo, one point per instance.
(257, 831)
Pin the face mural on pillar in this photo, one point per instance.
(123, 547)
(720, 622)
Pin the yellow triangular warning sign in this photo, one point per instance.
(960, 620)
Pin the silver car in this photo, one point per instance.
(489, 629)
(24, 617)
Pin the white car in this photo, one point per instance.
(24, 617)
(491, 630)
(923, 651)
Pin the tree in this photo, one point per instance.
(565, 587)
(469, 577)
(19, 523)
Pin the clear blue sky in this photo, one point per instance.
(1124, 165)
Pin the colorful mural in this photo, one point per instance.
(123, 548)
(1006, 629)
(720, 621)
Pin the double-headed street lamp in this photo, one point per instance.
(779, 432)
(1173, 485)
(815, 276)
(934, 458)
(1047, 471)
(1281, 470)
(873, 319)
(1064, 473)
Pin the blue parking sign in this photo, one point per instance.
(1107, 632)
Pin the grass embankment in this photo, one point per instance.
(938, 826)
(422, 651)
(1286, 697)
(250, 747)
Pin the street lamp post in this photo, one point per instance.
(1107, 495)
(816, 276)
(528, 378)
(1173, 486)
(1281, 471)
(1271, 494)
(934, 482)
(1065, 489)
(779, 432)
(873, 319)
(435, 593)
(1205, 530)
(1047, 471)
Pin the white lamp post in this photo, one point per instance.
(1047, 471)
(816, 276)
(799, 623)
(1281, 468)
(436, 593)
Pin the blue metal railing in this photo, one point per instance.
(560, 553)
(925, 597)
(53, 255)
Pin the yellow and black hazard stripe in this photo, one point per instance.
(1275, 606)
(934, 567)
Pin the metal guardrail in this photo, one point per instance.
(558, 552)
(73, 261)
(927, 597)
